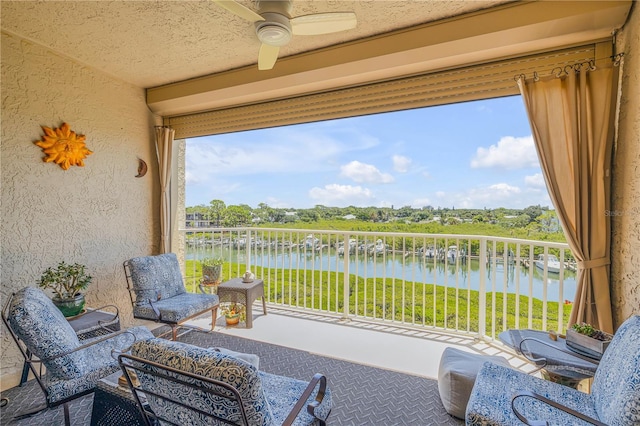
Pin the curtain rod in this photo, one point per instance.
(560, 71)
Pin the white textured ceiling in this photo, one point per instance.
(152, 43)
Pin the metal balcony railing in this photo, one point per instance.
(464, 283)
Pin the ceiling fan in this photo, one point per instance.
(275, 27)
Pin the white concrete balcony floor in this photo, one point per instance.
(390, 346)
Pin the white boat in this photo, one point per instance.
(553, 264)
(311, 242)
(379, 248)
(452, 253)
(352, 247)
(429, 252)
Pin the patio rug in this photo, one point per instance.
(362, 395)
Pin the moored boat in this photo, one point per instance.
(553, 264)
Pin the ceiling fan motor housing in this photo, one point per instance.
(275, 30)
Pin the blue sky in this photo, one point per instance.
(468, 155)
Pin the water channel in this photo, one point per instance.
(418, 269)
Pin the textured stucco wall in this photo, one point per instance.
(99, 214)
(625, 243)
(178, 192)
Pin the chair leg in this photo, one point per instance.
(214, 317)
(65, 407)
(28, 414)
(174, 332)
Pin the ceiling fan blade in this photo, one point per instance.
(240, 10)
(323, 23)
(267, 57)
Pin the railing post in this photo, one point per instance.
(248, 245)
(482, 290)
(345, 279)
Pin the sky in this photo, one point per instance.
(476, 154)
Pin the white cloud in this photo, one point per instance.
(401, 163)
(277, 203)
(440, 194)
(535, 181)
(191, 178)
(367, 173)
(341, 195)
(508, 153)
(494, 196)
(206, 160)
(420, 202)
(497, 195)
(504, 189)
(286, 149)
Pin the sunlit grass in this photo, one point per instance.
(396, 300)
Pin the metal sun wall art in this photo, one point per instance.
(63, 147)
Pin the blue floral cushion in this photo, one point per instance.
(46, 333)
(490, 402)
(177, 308)
(209, 363)
(614, 398)
(616, 384)
(102, 365)
(283, 393)
(268, 398)
(158, 279)
(155, 277)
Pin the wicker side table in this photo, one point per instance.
(114, 405)
(237, 291)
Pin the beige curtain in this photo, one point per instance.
(164, 146)
(571, 116)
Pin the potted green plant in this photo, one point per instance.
(67, 281)
(586, 339)
(212, 270)
(234, 313)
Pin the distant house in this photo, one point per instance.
(349, 217)
(197, 220)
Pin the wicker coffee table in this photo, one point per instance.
(237, 291)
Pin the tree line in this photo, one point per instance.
(218, 214)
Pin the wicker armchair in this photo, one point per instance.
(45, 338)
(188, 385)
(504, 396)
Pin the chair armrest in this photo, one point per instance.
(317, 380)
(155, 310)
(101, 323)
(544, 360)
(528, 394)
(94, 342)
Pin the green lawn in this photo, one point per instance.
(393, 299)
